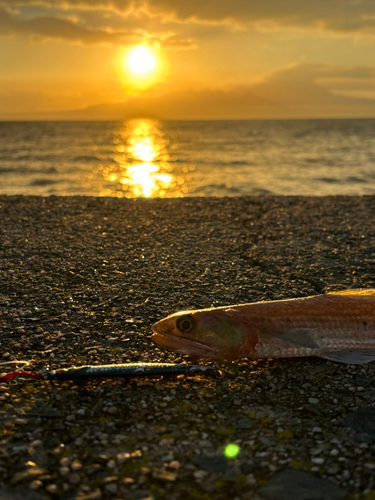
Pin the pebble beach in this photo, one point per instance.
(83, 279)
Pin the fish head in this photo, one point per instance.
(210, 333)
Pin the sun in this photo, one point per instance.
(142, 67)
(141, 60)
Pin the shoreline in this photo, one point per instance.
(81, 282)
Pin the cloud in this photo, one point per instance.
(67, 29)
(344, 16)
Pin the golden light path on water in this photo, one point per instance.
(141, 164)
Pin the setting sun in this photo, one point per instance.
(141, 60)
(141, 67)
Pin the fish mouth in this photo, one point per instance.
(183, 345)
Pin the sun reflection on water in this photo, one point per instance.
(141, 164)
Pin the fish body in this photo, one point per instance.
(339, 326)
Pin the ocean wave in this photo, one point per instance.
(214, 163)
(355, 179)
(230, 158)
(83, 158)
(329, 180)
(227, 190)
(43, 182)
(28, 169)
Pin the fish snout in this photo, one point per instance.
(162, 327)
(157, 328)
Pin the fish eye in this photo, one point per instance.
(185, 323)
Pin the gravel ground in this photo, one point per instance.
(81, 282)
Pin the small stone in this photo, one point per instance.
(122, 457)
(21, 421)
(36, 443)
(200, 474)
(76, 465)
(51, 488)
(64, 471)
(346, 474)
(175, 464)
(58, 449)
(74, 478)
(242, 423)
(317, 460)
(92, 495)
(36, 484)
(315, 451)
(110, 479)
(111, 488)
(166, 442)
(313, 401)
(333, 470)
(250, 479)
(164, 475)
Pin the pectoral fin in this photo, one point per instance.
(350, 357)
(301, 337)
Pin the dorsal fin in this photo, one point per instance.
(356, 292)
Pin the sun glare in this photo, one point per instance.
(141, 60)
(141, 67)
(141, 165)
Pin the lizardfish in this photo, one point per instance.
(339, 326)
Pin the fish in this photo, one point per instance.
(338, 326)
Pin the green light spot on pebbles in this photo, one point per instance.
(231, 450)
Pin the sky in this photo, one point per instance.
(212, 59)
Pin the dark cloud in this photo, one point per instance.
(66, 29)
(333, 15)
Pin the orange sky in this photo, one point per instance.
(217, 59)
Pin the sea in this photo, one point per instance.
(143, 158)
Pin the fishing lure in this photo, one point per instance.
(116, 371)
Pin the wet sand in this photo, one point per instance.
(81, 282)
